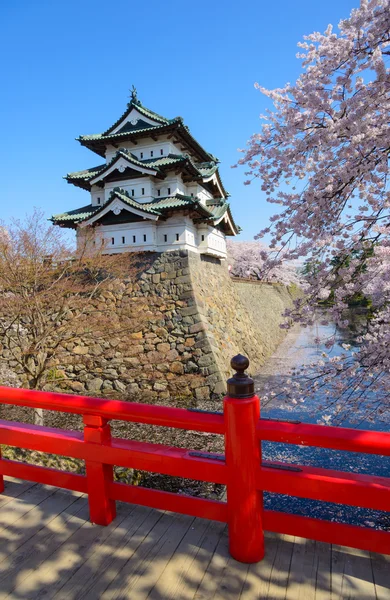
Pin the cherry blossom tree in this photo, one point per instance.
(253, 260)
(322, 156)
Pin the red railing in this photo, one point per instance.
(240, 468)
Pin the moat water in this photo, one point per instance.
(301, 347)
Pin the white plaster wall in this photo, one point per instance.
(150, 185)
(145, 183)
(145, 147)
(128, 231)
(214, 241)
(96, 193)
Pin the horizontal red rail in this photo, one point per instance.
(166, 416)
(61, 479)
(353, 489)
(187, 505)
(326, 531)
(124, 453)
(324, 436)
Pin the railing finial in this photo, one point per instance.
(240, 385)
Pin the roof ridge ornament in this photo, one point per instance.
(133, 95)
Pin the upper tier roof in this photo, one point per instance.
(151, 125)
(155, 166)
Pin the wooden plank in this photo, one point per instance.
(302, 577)
(185, 569)
(232, 581)
(225, 577)
(281, 567)
(337, 572)
(65, 560)
(351, 574)
(323, 571)
(381, 571)
(141, 573)
(52, 529)
(208, 586)
(13, 488)
(105, 563)
(39, 522)
(19, 507)
(129, 545)
(260, 574)
(357, 574)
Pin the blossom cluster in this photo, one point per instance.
(323, 157)
(255, 260)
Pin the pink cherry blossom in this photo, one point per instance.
(323, 156)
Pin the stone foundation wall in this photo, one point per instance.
(194, 319)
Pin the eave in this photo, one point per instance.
(99, 142)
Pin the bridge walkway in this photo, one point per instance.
(48, 549)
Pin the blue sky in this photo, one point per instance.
(67, 66)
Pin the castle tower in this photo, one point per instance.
(158, 190)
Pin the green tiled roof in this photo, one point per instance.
(77, 215)
(212, 211)
(98, 142)
(82, 178)
(198, 170)
(141, 109)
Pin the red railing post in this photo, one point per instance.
(102, 509)
(243, 457)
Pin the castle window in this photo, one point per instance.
(132, 192)
(98, 200)
(151, 153)
(177, 237)
(169, 191)
(161, 152)
(192, 194)
(123, 240)
(143, 191)
(202, 238)
(158, 192)
(142, 155)
(134, 239)
(144, 238)
(112, 240)
(165, 237)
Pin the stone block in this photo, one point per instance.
(202, 393)
(160, 387)
(189, 310)
(119, 386)
(172, 355)
(219, 388)
(76, 386)
(197, 327)
(163, 347)
(136, 336)
(177, 367)
(80, 350)
(206, 360)
(94, 385)
(183, 279)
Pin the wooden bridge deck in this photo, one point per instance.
(48, 549)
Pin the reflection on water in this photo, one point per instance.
(299, 348)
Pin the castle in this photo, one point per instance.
(158, 190)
